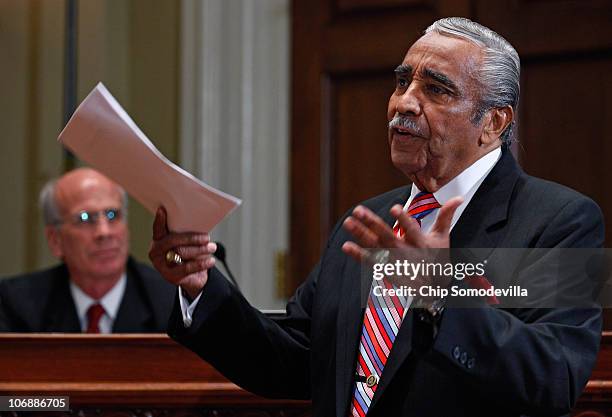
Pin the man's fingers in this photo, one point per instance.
(385, 236)
(364, 236)
(160, 227)
(354, 251)
(413, 234)
(445, 217)
(198, 265)
(163, 240)
(176, 273)
(176, 240)
(192, 252)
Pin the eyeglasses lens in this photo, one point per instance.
(91, 217)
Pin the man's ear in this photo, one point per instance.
(495, 121)
(54, 240)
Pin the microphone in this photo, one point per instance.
(220, 254)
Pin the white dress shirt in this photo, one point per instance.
(465, 185)
(187, 308)
(110, 301)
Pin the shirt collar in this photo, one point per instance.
(110, 301)
(464, 183)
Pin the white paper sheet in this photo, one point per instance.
(103, 135)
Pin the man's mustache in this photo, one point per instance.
(406, 123)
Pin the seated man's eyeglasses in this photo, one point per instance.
(91, 218)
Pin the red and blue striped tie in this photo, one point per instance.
(382, 320)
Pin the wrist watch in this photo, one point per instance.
(436, 308)
(432, 313)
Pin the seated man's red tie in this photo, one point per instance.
(94, 314)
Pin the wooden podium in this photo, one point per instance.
(126, 375)
(151, 375)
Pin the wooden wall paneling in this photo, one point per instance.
(549, 27)
(563, 125)
(463, 8)
(361, 160)
(375, 5)
(358, 43)
(305, 236)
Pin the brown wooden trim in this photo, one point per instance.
(155, 372)
(305, 191)
(118, 370)
(355, 9)
(328, 171)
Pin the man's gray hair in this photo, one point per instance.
(50, 208)
(500, 71)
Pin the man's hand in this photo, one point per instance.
(195, 249)
(370, 231)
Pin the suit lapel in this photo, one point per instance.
(488, 208)
(60, 314)
(350, 318)
(134, 314)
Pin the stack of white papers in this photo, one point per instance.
(103, 135)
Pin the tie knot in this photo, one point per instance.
(94, 314)
(422, 204)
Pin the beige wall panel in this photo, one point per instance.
(14, 40)
(103, 47)
(45, 161)
(153, 91)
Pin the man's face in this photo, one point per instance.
(435, 96)
(95, 249)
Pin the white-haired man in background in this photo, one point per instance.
(98, 287)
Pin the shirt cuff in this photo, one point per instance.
(187, 308)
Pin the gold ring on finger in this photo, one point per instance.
(173, 258)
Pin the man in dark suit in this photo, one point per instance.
(451, 118)
(98, 288)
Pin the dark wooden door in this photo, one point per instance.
(343, 56)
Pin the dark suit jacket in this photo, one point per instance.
(41, 302)
(521, 362)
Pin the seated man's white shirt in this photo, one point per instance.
(110, 301)
(465, 185)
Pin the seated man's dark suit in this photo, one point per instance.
(42, 302)
(483, 362)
